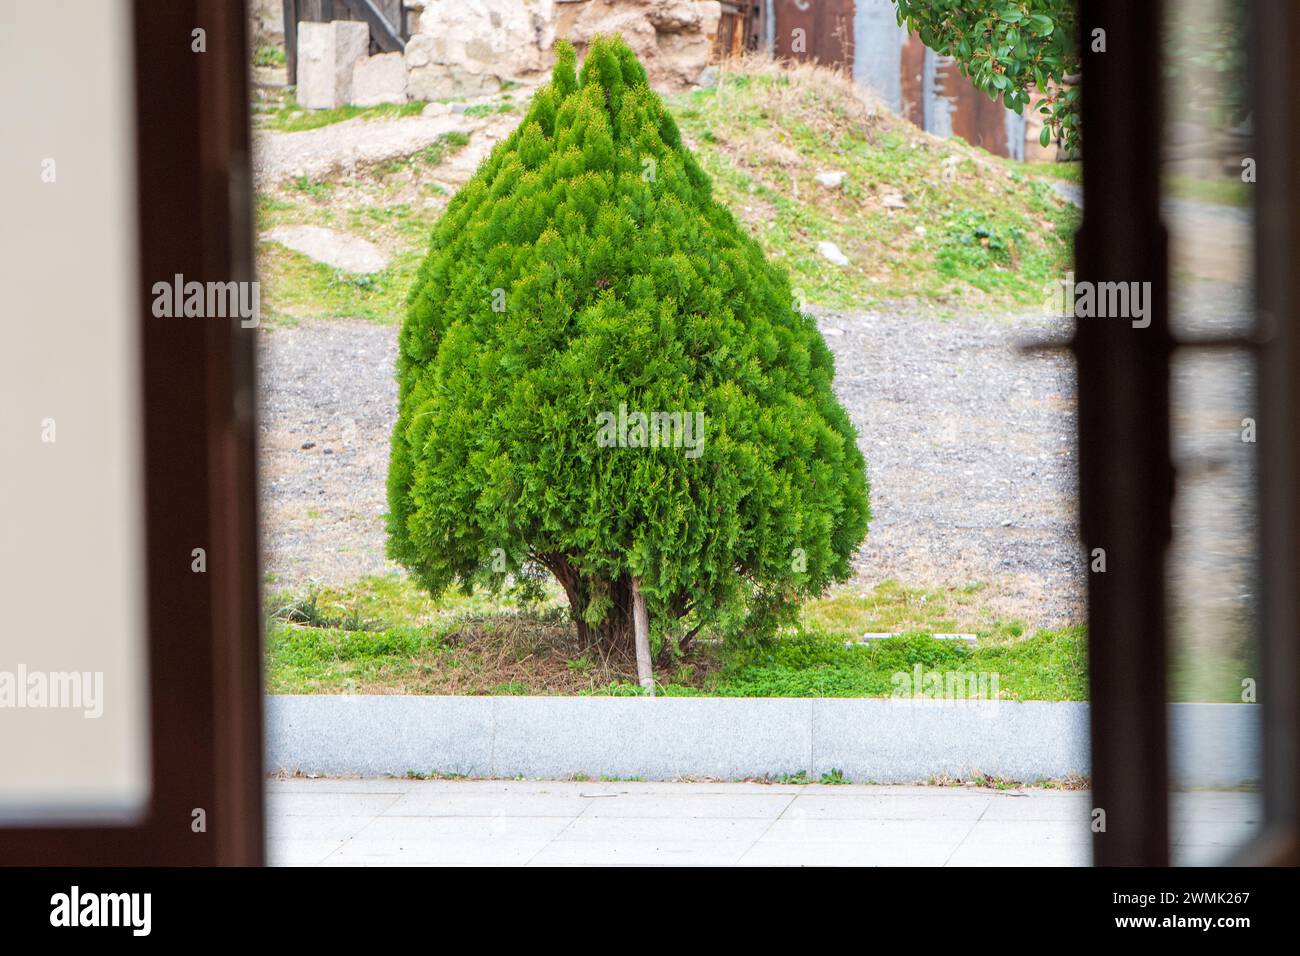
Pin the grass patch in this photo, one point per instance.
(1225, 191)
(383, 635)
(289, 117)
(1211, 652)
(918, 217)
(480, 110)
(1050, 665)
(296, 287)
(895, 608)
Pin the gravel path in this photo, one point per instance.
(968, 443)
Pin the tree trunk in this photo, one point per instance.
(614, 634)
(641, 625)
(626, 625)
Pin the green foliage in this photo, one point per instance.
(1051, 665)
(622, 282)
(1010, 48)
(268, 54)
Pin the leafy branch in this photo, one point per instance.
(1014, 49)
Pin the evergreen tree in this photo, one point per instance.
(582, 279)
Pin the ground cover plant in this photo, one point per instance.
(384, 635)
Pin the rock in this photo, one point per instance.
(832, 252)
(469, 49)
(831, 179)
(327, 54)
(459, 48)
(379, 79)
(673, 39)
(436, 109)
(336, 249)
(708, 78)
(307, 445)
(893, 201)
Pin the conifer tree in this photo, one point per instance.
(601, 375)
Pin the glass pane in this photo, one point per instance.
(1212, 572)
(73, 681)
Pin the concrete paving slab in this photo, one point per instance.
(1074, 807)
(1017, 855)
(759, 806)
(287, 852)
(659, 853)
(318, 827)
(1030, 833)
(405, 852)
(329, 804)
(496, 828)
(1216, 805)
(342, 785)
(793, 829)
(935, 806)
(562, 823)
(1197, 855)
(442, 803)
(657, 830)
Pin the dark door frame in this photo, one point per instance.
(1126, 477)
(1273, 35)
(204, 629)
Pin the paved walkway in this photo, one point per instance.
(394, 822)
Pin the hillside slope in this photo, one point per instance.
(935, 222)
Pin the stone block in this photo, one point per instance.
(327, 56)
(379, 79)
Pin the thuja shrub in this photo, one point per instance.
(601, 376)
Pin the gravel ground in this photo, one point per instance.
(968, 443)
(969, 446)
(327, 402)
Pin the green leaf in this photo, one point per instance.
(1045, 136)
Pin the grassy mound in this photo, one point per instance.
(917, 216)
(935, 221)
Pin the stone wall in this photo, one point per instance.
(266, 21)
(466, 48)
(469, 47)
(673, 38)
